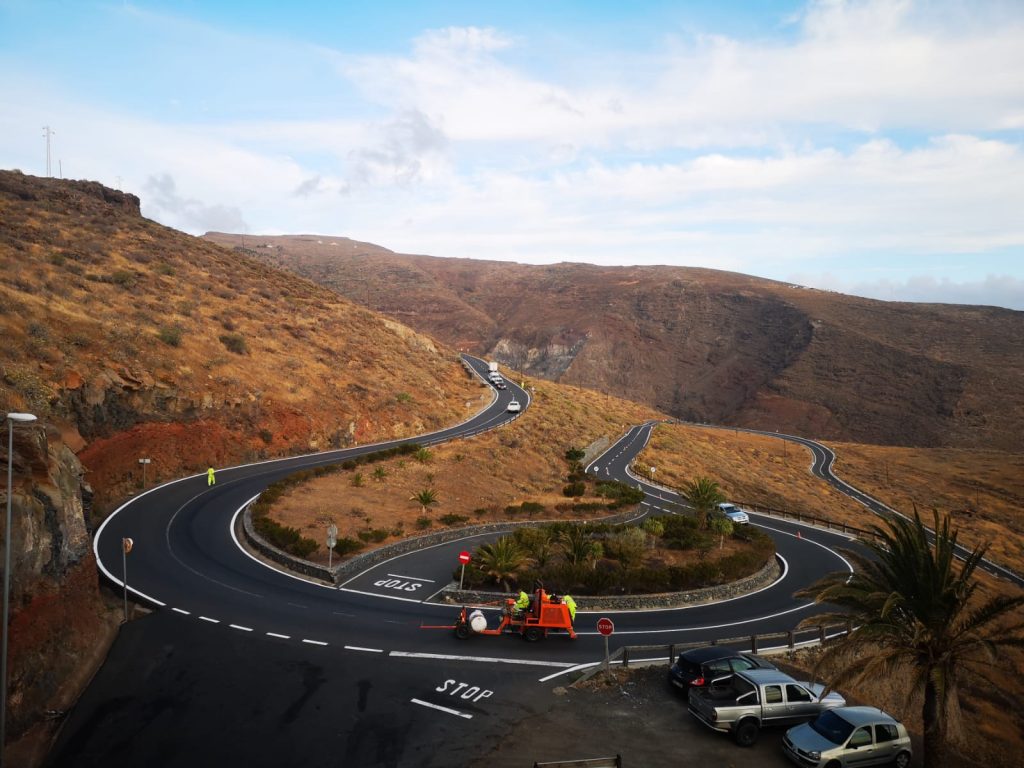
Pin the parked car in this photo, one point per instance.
(849, 736)
(734, 513)
(745, 702)
(514, 407)
(699, 666)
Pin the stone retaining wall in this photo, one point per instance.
(359, 563)
(762, 578)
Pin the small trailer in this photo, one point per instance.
(545, 613)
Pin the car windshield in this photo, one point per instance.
(832, 727)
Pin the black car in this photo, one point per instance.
(699, 666)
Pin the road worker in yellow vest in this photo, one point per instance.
(210, 478)
(571, 605)
(522, 602)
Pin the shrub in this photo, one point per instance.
(423, 522)
(403, 397)
(234, 342)
(422, 455)
(574, 489)
(574, 454)
(284, 537)
(266, 435)
(374, 534)
(170, 335)
(357, 480)
(451, 519)
(347, 546)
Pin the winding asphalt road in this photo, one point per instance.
(396, 678)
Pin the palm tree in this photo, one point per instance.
(577, 546)
(425, 498)
(721, 525)
(704, 495)
(915, 610)
(501, 560)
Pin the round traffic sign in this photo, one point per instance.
(605, 626)
(463, 557)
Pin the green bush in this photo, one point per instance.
(266, 435)
(423, 522)
(170, 335)
(284, 537)
(451, 519)
(620, 494)
(574, 454)
(374, 534)
(347, 546)
(574, 489)
(234, 342)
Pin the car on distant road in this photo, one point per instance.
(734, 513)
(699, 666)
(500, 384)
(848, 736)
(514, 407)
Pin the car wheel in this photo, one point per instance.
(462, 630)
(533, 634)
(746, 733)
(902, 760)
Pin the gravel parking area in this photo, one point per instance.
(634, 714)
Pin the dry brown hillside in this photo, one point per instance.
(701, 344)
(121, 331)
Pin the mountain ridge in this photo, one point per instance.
(701, 344)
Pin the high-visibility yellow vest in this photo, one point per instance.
(523, 602)
(571, 605)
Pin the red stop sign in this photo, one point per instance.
(605, 626)
(463, 557)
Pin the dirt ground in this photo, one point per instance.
(636, 714)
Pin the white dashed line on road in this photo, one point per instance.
(207, 618)
(283, 637)
(179, 610)
(239, 626)
(368, 650)
(442, 709)
(314, 642)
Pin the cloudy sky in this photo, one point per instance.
(875, 147)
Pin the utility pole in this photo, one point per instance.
(47, 133)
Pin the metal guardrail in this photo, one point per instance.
(802, 517)
(791, 640)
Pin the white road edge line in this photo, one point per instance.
(486, 659)
(314, 642)
(239, 626)
(283, 637)
(442, 709)
(368, 650)
(179, 610)
(207, 618)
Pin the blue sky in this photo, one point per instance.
(871, 147)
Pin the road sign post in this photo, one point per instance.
(144, 463)
(463, 558)
(605, 626)
(332, 541)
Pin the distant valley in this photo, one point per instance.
(700, 344)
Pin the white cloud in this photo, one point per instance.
(993, 290)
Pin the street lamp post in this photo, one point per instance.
(12, 419)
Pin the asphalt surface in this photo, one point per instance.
(242, 662)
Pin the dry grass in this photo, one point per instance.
(521, 462)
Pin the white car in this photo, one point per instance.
(734, 513)
(514, 407)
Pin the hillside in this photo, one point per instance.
(128, 340)
(701, 344)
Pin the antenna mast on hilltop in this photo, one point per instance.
(47, 133)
